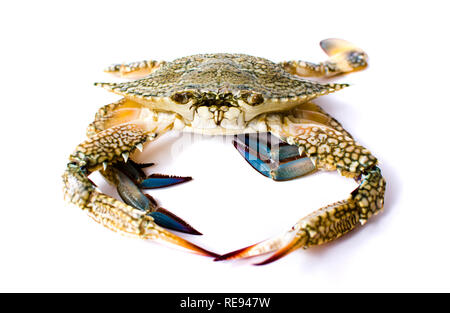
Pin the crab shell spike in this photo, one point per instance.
(140, 147)
(107, 86)
(333, 46)
(134, 70)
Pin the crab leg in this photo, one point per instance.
(330, 150)
(134, 70)
(311, 113)
(116, 113)
(123, 111)
(101, 151)
(344, 57)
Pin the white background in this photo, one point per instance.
(53, 51)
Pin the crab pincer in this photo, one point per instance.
(154, 181)
(271, 157)
(130, 192)
(139, 216)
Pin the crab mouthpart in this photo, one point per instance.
(224, 116)
(218, 113)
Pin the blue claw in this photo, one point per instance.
(166, 219)
(293, 169)
(257, 163)
(254, 144)
(132, 170)
(132, 195)
(159, 181)
(271, 157)
(266, 147)
(284, 152)
(136, 174)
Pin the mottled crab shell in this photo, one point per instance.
(223, 74)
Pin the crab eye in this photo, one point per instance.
(252, 98)
(181, 97)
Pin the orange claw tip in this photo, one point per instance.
(168, 237)
(196, 249)
(334, 46)
(291, 246)
(280, 245)
(238, 254)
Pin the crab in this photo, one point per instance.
(267, 106)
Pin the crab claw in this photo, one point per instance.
(160, 180)
(281, 245)
(167, 219)
(332, 46)
(134, 172)
(344, 55)
(132, 195)
(105, 151)
(271, 157)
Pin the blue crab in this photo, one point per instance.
(223, 94)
